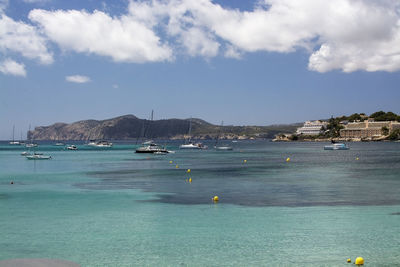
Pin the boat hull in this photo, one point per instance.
(37, 157)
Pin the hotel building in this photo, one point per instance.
(312, 128)
(368, 129)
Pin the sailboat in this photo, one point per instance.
(30, 144)
(149, 146)
(221, 147)
(13, 142)
(188, 143)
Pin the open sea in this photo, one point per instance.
(112, 207)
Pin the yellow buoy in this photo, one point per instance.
(348, 260)
(170, 162)
(177, 166)
(359, 261)
(188, 171)
(357, 158)
(190, 180)
(215, 198)
(245, 160)
(288, 159)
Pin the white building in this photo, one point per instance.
(312, 128)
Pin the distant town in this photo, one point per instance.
(378, 126)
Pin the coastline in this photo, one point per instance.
(336, 139)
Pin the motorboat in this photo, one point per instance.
(104, 143)
(193, 146)
(101, 143)
(25, 153)
(336, 146)
(92, 143)
(151, 148)
(37, 156)
(59, 144)
(30, 145)
(72, 147)
(15, 143)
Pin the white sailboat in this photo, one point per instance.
(189, 144)
(149, 146)
(13, 142)
(31, 143)
(221, 147)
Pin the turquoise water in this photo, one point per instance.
(116, 208)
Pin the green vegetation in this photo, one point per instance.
(385, 130)
(385, 116)
(395, 135)
(333, 127)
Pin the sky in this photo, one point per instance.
(242, 62)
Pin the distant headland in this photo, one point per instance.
(130, 127)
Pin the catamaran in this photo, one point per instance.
(149, 146)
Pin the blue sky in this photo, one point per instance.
(241, 62)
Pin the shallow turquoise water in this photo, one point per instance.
(117, 208)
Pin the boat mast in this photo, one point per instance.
(13, 133)
(190, 130)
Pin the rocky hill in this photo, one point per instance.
(130, 127)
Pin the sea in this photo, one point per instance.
(280, 204)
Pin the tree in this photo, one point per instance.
(395, 135)
(385, 130)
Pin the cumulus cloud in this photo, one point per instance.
(77, 79)
(10, 67)
(342, 34)
(348, 35)
(123, 39)
(19, 37)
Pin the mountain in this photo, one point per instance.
(131, 127)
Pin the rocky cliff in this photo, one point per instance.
(130, 127)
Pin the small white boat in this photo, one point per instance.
(151, 148)
(193, 146)
(31, 145)
(101, 143)
(336, 146)
(104, 144)
(59, 144)
(25, 153)
(37, 157)
(15, 143)
(72, 147)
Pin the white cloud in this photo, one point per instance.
(77, 79)
(19, 37)
(123, 39)
(11, 67)
(348, 35)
